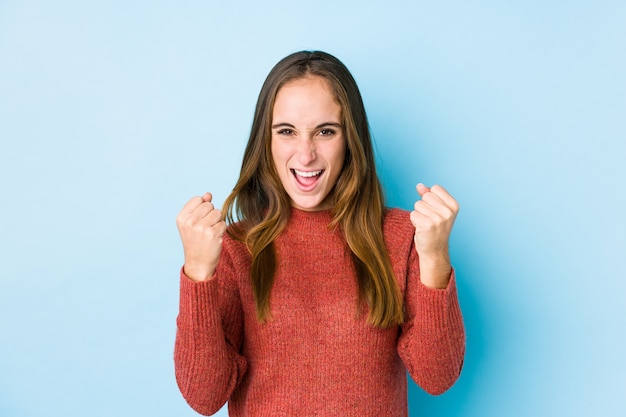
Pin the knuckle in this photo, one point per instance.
(199, 229)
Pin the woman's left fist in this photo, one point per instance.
(433, 217)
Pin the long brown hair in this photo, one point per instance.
(258, 207)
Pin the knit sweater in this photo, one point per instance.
(317, 356)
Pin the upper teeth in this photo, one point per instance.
(307, 173)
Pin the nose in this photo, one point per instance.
(306, 151)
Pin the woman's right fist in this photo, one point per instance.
(201, 229)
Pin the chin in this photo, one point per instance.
(310, 204)
(306, 207)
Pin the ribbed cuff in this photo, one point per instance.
(199, 303)
(438, 306)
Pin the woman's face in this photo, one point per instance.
(308, 146)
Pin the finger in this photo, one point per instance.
(441, 201)
(425, 209)
(422, 189)
(445, 197)
(213, 218)
(431, 197)
(434, 207)
(189, 207)
(201, 212)
(422, 221)
(220, 227)
(194, 202)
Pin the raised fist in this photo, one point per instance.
(201, 229)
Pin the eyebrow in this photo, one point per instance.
(333, 124)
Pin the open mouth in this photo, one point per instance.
(307, 179)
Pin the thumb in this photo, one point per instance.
(207, 197)
(422, 189)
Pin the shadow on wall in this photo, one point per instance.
(474, 270)
(454, 401)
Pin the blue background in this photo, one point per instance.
(113, 114)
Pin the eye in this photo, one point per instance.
(285, 132)
(327, 132)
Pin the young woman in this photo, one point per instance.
(308, 297)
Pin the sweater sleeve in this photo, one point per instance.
(207, 361)
(432, 339)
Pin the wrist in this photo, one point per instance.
(435, 270)
(198, 273)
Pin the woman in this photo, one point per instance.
(317, 299)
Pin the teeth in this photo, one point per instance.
(307, 173)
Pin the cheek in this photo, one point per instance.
(280, 158)
(340, 155)
(276, 154)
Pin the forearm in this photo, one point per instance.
(435, 269)
(432, 343)
(207, 366)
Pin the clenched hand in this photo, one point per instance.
(201, 229)
(433, 217)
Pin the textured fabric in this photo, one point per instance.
(317, 356)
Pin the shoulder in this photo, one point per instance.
(233, 242)
(396, 219)
(398, 230)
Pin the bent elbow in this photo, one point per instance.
(201, 404)
(205, 409)
(439, 383)
(437, 390)
(202, 399)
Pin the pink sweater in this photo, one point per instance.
(316, 357)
